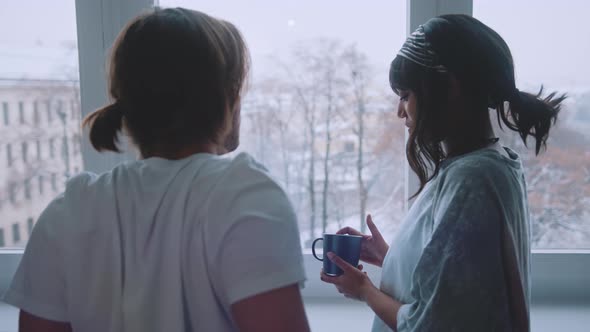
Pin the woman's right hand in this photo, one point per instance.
(373, 247)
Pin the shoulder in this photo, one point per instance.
(246, 187)
(486, 168)
(58, 217)
(245, 164)
(244, 172)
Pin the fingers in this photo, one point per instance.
(373, 228)
(349, 230)
(340, 262)
(328, 279)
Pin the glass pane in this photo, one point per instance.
(40, 105)
(319, 112)
(552, 48)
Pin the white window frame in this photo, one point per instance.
(557, 275)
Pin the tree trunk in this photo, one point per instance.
(311, 183)
(326, 166)
(359, 167)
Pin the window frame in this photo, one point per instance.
(557, 275)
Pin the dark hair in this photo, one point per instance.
(481, 62)
(175, 77)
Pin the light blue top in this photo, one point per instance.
(461, 260)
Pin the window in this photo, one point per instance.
(12, 188)
(53, 181)
(349, 146)
(2, 242)
(27, 187)
(41, 182)
(60, 111)
(381, 29)
(21, 112)
(52, 148)
(9, 154)
(49, 111)
(39, 80)
(36, 115)
(38, 146)
(322, 182)
(25, 151)
(30, 225)
(15, 233)
(6, 113)
(64, 147)
(558, 179)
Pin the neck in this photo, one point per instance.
(188, 151)
(470, 135)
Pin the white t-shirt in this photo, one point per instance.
(160, 245)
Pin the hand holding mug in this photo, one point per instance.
(373, 247)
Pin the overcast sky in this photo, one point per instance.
(550, 39)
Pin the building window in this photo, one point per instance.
(76, 169)
(54, 181)
(12, 192)
(9, 154)
(2, 243)
(30, 224)
(61, 111)
(5, 110)
(27, 185)
(349, 146)
(21, 112)
(65, 147)
(25, 151)
(38, 145)
(51, 148)
(15, 233)
(36, 116)
(49, 111)
(41, 184)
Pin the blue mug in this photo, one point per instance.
(347, 247)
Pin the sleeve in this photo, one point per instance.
(260, 250)
(38, 287)
(458, 283)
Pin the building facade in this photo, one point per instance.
(40, 148)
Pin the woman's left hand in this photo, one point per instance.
(353, 283)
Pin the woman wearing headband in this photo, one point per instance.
(461, 259)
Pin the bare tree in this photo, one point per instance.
(302, 80)
(359, 71)
(330, 53)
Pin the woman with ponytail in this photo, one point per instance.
(461, 259)
(182, 239)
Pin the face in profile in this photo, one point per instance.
(407, 108)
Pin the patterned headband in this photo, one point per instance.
(418, 50)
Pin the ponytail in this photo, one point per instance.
(531, 115)
(105, 124)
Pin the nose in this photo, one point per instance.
(401, 112)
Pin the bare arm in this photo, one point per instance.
(277, 310)
(384, 306)
(355, 284)
(31, 323)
